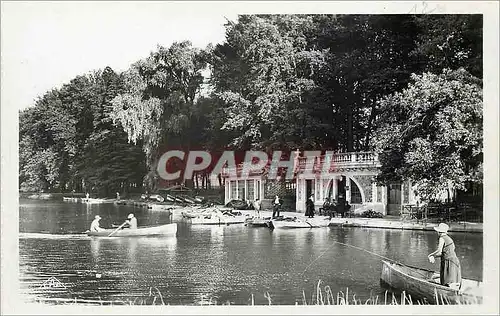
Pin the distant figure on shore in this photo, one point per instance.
(94, 227)
(276, 207)
(87, 195)
(131, 221)
(117, 195)
(310, 207)
(450, 273)
(256, 207)
(333, 208)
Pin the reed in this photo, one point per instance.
(321, 296)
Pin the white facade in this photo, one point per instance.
(352, 174)
(249, 189)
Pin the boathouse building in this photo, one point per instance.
(351, 177)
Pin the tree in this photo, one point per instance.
(263, 75)
(431, 132)
(68, 141)
(450, 41)
(157, 105)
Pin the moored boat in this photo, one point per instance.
(218, 218)
(299, 223)
(97, 201)
(424, 284)
(162, 207)
(163, 230)
(258, 222)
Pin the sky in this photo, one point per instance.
(46, 44)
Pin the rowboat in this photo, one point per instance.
(162, 207)
(163, 230)
(258, 222)
(424, 284)
(96, 201)
(299, 223)
(218, 218)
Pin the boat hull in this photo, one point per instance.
(218, 220)
(308, 223)
(96, 201)
(259, 222)
(420, 285)
(164, 230)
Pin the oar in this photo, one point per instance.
(117, 229)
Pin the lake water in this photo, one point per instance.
(223, 264)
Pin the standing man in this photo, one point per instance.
(450, 272)
(276, 207)
(256, 207)
(310, 207)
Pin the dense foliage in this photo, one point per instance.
(278, 81)
(431, 132)
(68, 141)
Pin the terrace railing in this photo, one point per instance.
(335, 160)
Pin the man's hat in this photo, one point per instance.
(442, 228)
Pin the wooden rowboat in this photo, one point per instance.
(299, 223)
(258, 222)
(163, 230)
(218, 218)
(424, 284)
(97, 201)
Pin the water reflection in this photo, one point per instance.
(217, 235)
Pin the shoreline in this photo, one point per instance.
(382, 223)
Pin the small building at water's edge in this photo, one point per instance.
(350, 177)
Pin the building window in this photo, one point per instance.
(233, 191)
(258, 189)
(355, 193)
(241, 190)
(250, 186)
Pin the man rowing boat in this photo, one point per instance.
(131, 222)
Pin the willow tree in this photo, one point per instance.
(159, 99)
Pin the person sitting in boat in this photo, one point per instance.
(450, 273)
(131, 222)
(94, 227)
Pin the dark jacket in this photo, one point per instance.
(309, 207)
